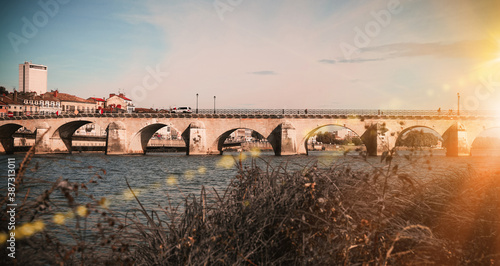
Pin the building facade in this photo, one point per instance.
(100, 102)
(49, 104)
(71, 104)
(14, 106)
(3, 109)
(119, 101)
(32, 78)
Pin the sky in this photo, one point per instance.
(387, 54)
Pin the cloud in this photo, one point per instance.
(327, 61)
(478, 49)
(468, 49)
(264, 72)
(345, 61)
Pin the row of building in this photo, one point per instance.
(34, 99)
(54, 102)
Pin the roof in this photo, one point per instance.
(9, 101)
(97, 99)
(68, 97)
(29, 96)
(49, 97)
(119, 95)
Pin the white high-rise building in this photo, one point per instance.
(32, 78)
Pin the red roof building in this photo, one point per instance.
(121, 102)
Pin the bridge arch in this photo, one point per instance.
(6, 136)
(491, 140)
(140, 139)
(7, 130)
(315, 130)
(407, 130)
(65, 132)
(219, 142)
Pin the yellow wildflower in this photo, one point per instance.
(3, 238)
(38, 225)
(104, 202)
(189, 174)
(82, 211)
(255, 152)
(59, 218)
(129, 195)
(172, 180)
(202, 170)
(25, 230)
(227, 161)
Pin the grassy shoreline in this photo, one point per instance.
(335, 215)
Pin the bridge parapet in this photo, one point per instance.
(286, 113)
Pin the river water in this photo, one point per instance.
(156, 178)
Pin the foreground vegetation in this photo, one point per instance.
(347, 213)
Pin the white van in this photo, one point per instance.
(182, 109)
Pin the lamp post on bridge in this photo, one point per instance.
(458, 103)
(214, 104)
(196, 102)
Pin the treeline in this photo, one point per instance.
(486, 143)
(418, 138)
(330, 138)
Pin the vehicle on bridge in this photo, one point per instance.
(182, 109)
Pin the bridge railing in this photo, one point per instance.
(371, 112)
(345, 112)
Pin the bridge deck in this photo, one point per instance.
(286, 113)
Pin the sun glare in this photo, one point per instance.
(497, 59)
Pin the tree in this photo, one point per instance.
(326, 138)
(256, 135)
(3, 90)
(418, 138)
(357, 141)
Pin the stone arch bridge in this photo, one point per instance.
(287, 131)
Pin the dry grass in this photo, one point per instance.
(376, 215)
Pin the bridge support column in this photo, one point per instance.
(284, 139)
(48, 144)
(7, 145)
(376, 140)
(196, 139)
(116, 139)
(455, 141)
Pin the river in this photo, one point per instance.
(156, 178)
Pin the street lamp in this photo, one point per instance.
(214, 104)
(196, 102)
(458, 103)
